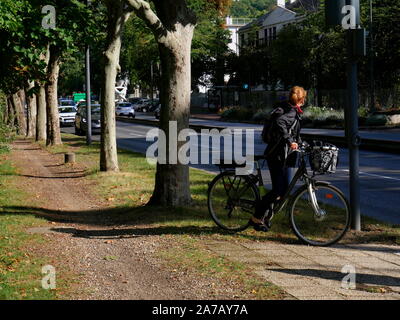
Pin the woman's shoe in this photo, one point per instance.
(258, 226)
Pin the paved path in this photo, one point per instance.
(311, 273)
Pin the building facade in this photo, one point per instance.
(265, 29)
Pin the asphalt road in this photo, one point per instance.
(379, 172)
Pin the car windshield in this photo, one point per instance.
(124, 106)
(67, 110)
(66, 103)
(96, 110)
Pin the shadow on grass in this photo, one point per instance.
(147, 220)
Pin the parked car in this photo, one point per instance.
(141, 106)
(66, 103)
(81, 124)
(134, 100)
(150, 106)
(83, 103)
(125, 109)
(67, 115)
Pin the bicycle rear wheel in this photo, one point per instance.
(232, 200)
(323, 224)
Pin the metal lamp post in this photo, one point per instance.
(340, 12)
(371, 57)
(88, 97)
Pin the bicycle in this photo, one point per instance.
(319, 212)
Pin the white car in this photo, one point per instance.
(67, 115)
(125, 109)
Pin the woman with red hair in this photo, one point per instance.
(284, 133)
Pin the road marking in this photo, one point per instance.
(136, 135)
(374, 175)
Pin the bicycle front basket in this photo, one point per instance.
(323, 158)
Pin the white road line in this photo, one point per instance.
(374, 175)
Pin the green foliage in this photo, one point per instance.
(209, 46)
(251, 8)
(24, 39)
(236, 113)
(314, 56)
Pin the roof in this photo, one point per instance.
(308, 5)
(261, 19)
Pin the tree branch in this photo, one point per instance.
(144, 11)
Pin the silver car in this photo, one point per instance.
(67, 115)
(125, 109)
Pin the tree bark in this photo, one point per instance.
(117, 16)
(173, 27)
(53, 122)
(19, 108)
(10, 112)
(172, 186)
(5, 113)
(41, 119)
(32, 110)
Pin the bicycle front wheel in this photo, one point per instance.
(321, 218)
(232, 200)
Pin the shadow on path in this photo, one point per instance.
(372, 279)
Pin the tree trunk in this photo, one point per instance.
(53, 122)
(117, 17)
(5, 114)
(10, 111)
(173, 28)
(172, 186)
(41, 119)
(32, 110)
(20, 112)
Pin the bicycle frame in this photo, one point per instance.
(301, 174)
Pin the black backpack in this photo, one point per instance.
(270, 130)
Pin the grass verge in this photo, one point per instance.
(20, 267)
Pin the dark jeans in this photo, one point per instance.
(280, 178)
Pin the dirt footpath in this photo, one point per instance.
(111, 262)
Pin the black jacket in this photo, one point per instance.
(284, 136)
